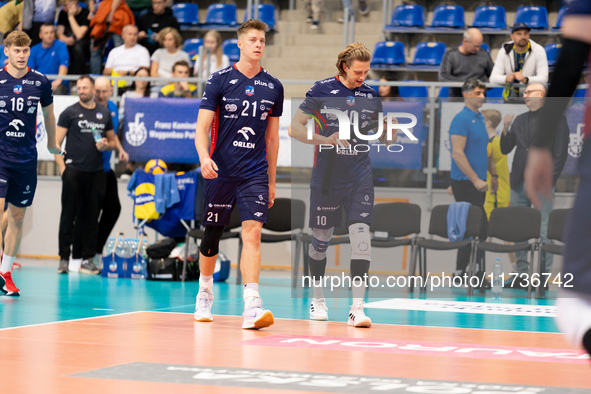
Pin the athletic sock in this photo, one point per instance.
(7, 262)
(206, 282)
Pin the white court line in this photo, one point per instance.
(68, 321)
(487, 308)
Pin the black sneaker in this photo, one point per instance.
(89, 268)
(363, 7)
(63, 267)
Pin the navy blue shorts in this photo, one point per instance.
(18, 186)
(250, 196)
(326, 211)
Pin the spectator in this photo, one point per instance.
(164, 58)
(50, 57)
(150, 24)
(35, 14)
(73, 29)
(520, 137)
(138, 89)
(216, 60)
(520, 60)
(466, 61)
(500, 198)
(11, 14)
(386, 92)
(89, 130)
(314, 8)
(139, 7)
(181, 69)
(127, 58)
(363, 8)
(469, 141)
(108, 18)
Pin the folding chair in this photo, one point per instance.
(556, 225)
(513, 224)
(438, 227)
(388, 53)
(394, 220)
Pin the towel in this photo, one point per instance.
(457, 215)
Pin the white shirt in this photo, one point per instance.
(213, 61)
(128, 59)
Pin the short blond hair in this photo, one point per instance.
(251, 24)
(178, 40)
(17, 39)
(493, 115)
(355, 51)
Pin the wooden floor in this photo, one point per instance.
(82, 334)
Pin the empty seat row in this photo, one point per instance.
(391, 53)
(229, 48)
(485, 17)
(219, 15)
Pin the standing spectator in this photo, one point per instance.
(236, 170)
(469, 141)
(11, 14)
(73, 29)
(520, 60)
(216, 60)
(500, 197)
(51, 57)
(125, 59)
(18, 156)
(519, 136)
(181, 69)
(164, 58)
(35, 14)
(150, 24)
(89, 130)
(466, 61)
(108, 18)
(314, 8)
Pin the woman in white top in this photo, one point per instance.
(216, 60)
(164, 58)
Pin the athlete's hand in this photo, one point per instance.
(539, 175)
(54, 149)
(271, 194)
(384, 137)
(102, 144)
(209, 169)
(481, 185)
(333, 139)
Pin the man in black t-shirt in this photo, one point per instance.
(149, 24)
(89, 131)
(73, 29)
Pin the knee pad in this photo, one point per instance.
(360, 241)
(320, 243)
(210, 244)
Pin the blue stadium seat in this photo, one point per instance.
(82, 4)
(485, 47)
(388, 53)
(221, 14)
(266, 14)
(490, 17)
(230, 49)
(191, 46)
(580, 93)
(413, 91)
(444, 92)
(533, 16)
(408, 16)
(429, 54)
(552, 51)
(448, 16)
(495, 95)
(561, 13)
(187, 14)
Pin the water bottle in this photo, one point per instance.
(96, 134)
(497, 285)
(109, 247)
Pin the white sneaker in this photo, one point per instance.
(357, 317)
(255, 316)
(318, 309)
(203, 306)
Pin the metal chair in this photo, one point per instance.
(556, 225)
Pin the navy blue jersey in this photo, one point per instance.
(18, 116)
(348, 165)
(241, 106)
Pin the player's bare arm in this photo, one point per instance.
(204, 120)
(299, 131)
(272, 141)
(49, 118)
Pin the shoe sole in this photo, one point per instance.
(321, 318)
(264, 321)
(62, 272)
(6, 292)
(203, 320)
(89, 272)
(364, 323)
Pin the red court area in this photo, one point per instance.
(153, 352)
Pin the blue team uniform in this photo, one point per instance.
(19, 98)
(343, 177)
(242, 107)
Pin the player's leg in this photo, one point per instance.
(220, 199)
(14, 232)
(252, 199)
(359, 210)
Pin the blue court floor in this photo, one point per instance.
(49, 297)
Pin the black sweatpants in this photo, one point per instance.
(82, 195)
(465, 191)
(111, 208)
